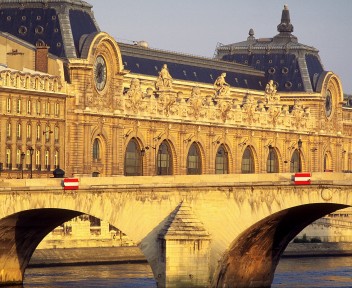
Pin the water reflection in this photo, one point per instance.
(126, 275)
(331, 272)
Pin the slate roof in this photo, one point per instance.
(57, 24)
(147, 61)
(293, 66)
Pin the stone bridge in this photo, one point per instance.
(195, 231)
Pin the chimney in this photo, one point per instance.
(41, 57)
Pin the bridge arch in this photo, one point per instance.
(253, 256)
(23, 232)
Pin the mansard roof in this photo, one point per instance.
(58, 24)
(147, 61)
(292, 65)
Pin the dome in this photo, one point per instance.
(58, 24)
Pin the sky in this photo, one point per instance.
(196, 26)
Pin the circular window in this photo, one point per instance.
(245, 61)
(58, 44)
(23, 30)
(24, 18)
(288, 84)
(284, 70)
(257, 62)
(53, 17)
(8, 18)
(39, 18)
(271, 70)
(270, 61)
(56, 30)
(39, 29)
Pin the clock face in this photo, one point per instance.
(100, 73)
(328, 103)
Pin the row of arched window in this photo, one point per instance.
(133, 162)
(24, 159)
(41, 107)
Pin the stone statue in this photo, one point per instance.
(270, 93)
(164, 80)
(221, 86)
(270, 88)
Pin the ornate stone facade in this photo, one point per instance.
(107, 100)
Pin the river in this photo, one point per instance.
(319, 272)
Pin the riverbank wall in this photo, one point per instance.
(132, 254)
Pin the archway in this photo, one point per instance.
(21, 234)
(253, 256)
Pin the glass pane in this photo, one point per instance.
(133, 161)
(164, 159)
(193, 161)
(247, 161)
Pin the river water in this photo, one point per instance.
(320, 272)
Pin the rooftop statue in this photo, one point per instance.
(271, 96)
(221, 86)
(165, 79)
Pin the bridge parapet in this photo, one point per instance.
(272, 179)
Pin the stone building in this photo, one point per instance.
(72, 97)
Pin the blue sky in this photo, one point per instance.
(196, 26)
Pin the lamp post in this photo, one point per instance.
(299, 143)
(31, 150)
(22, 158)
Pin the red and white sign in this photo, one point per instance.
(70, 184)
(302, 178)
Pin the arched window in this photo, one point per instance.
(19, 131)
(96, 150)
(8, 130)
(29, 131)
(221, 161)
(56, 134)
(8, 159)
(133, 159)
(327, 163)
(164, 160)
(47, 160)
(18, 158)
(296, 163)
(38, 160)
(56, 159)
(194, 165)
(272, 163)
(247, 161)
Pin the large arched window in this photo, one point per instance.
(164, 160)
(221, 161)
(296, 163)
(272, 163)
(96, 150)
(247, 161)
(194, 165)
(133, 159)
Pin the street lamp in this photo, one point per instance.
(31, 150)
(299, 143)
(22, 158)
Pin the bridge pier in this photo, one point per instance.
(183, 251)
